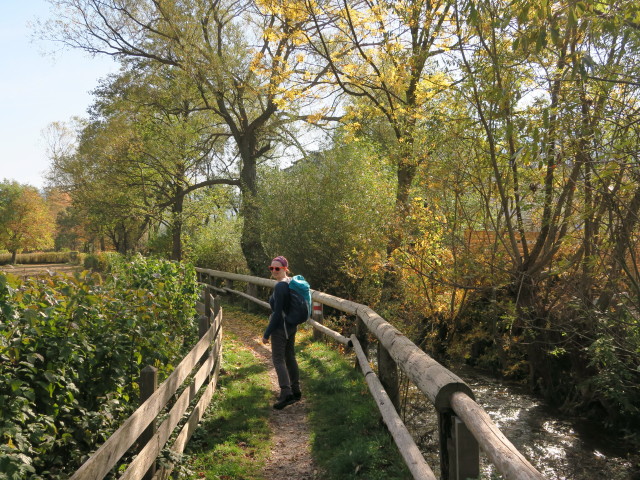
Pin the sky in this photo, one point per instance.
(37, 89)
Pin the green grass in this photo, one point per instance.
(233, 441)
(348, 438)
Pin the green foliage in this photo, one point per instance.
(98, 262)
(160, 245)
(616, 383)
(217, 246)
(327, 215)
(25, 223)
(70, 353)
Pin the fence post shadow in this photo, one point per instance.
(148, 385)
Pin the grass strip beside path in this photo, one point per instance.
(348, 438)
(233, 439)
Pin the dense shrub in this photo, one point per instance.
(98, 262)
(217, 246)
(327, 214)
(70, 353)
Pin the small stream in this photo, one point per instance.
(558, 446)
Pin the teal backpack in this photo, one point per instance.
(300, 301)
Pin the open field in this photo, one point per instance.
(40, 269)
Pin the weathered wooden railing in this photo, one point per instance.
(464, 425)
(141, 429)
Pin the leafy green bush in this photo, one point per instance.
(615, 383)
(159, 245)
(327, 214)
(71, 349)
(217, 246)
(98, 262)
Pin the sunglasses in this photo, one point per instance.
(277, 269)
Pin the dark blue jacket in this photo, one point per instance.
(279, 301)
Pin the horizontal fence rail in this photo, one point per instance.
(205, 357)
(464, 425)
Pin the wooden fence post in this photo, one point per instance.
(216, 306)
(203, 325)
(148, 385)
(459, 451)
(252, 289)
(362, 336)
(388, 373)
(207, 303)
(229, 284)
(317, 315)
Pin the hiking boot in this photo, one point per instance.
(283, 402)
(297, 396)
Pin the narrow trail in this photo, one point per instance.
(291, 452)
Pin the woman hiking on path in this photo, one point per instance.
(283, 336)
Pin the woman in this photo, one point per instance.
(283, 336)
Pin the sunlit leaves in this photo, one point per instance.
(330, 209)
(70, 350)
(25, 221)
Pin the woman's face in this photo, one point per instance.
(278, 272)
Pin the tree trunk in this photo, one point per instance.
(176, 226)
(14, 256)
(622, 235)
(406, 174)
(527, 322)
(251, 242)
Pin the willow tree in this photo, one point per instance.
(241, 56)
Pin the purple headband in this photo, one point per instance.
(282, 260)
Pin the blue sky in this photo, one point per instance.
(36, 90)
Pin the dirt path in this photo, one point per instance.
(290, 456)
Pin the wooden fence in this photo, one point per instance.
(465, 427)
(197, 373)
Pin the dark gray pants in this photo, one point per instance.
(284, 360)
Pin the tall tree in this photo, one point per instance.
(334, 204)
(383, 54)
(239, 55)
(552, 110)
(95, 175)
(178, 149)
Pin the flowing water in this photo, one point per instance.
(558, 446)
